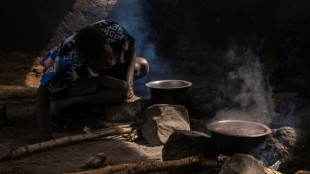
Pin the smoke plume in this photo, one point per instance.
(252, 100)
(131, 15)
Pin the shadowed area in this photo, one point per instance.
(31, 24)
(27, 27)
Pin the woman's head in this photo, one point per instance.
(93, 44)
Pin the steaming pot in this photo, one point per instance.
(237, 136)
(169, 91)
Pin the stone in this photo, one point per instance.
(95, 161)
(242, 164)
(302, 172)
(287, 136)
(279, 145)
(182, 144)
(130, 110)
(161, 120)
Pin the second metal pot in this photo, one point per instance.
(237, 136)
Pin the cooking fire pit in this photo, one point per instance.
(237, 136)
(169, 91)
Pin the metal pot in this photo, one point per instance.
(237, 136)
(169, 91)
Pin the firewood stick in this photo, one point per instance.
(116, 126)
(172, 165)
(120, 125)
(144, 167)
(65, 140)
(109, 169)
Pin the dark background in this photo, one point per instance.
(31, 24)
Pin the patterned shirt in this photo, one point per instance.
(63, 64)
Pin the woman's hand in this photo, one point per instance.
(130, 92)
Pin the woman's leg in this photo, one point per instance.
(141, 67)
(42, 112)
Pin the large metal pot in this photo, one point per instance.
(169, 91)
(237, 136)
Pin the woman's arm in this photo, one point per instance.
(114, 84)
(129, 61)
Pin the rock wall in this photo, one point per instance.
(206, 24)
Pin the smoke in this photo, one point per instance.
(131, 15)
(252, 98)
(290, 112)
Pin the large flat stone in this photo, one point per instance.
(182, 144)
(130, 110)
(161, 120)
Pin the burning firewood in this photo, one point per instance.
(133, 135)
(68, 139)
(145, 167)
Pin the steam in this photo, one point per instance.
(253, 101)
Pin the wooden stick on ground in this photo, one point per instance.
(145, 167)
(68, 139)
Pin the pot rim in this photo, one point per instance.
(267, 130)
(152, 83)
